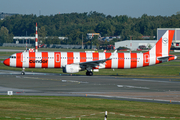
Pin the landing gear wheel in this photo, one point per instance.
(89, 73)
(22, 73)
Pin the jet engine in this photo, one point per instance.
(71, 69)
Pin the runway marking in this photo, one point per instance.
(122, 114)
(122, 97)
(127, 86)
(92, 114)
(153, 81)
(160, 117)
(31, 77)
(41, 78)
(74, 81)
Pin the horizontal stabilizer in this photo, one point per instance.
(164, 59)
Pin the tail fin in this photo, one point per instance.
(36, 41)
(163, 46)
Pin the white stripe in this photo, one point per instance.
(139, 59)
(26, 59)
(51, 60)
(165, 41)
(89, 56)
(64, 59)
(115, 61)
(13, 61)
(127, 60)
(36, 43)
(76, 57)
(152, 54)
(101, 57)
(38, 56)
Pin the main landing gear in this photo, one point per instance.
(23, 71)
(89, 73)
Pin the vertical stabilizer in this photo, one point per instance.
(162, 47)
(36, 40)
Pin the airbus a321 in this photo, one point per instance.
(73, 62)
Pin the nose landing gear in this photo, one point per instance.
(23, 71)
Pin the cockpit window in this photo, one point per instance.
(12, 57)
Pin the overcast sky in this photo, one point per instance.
(132, 8)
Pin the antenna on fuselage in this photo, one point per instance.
(36, 40)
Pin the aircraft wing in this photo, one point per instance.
(91, 64)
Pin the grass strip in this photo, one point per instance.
(54, 107)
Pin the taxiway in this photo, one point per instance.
(163, 90)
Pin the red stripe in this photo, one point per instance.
(95, 56)
(133, 60)
(31, 58)
(7, 62)
(158, 50)
(171, 35)
(146, 59)
(121, 60)
(70, 57)
(171, 58)
(82, 57)
(57, 59)
(19, 60)
(108, 62)
(44, 59)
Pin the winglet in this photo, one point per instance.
(113, 54)
(115, 51)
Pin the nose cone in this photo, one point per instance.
(7, 62)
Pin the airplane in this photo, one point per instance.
(73, 62)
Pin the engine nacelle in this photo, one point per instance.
(71, 68)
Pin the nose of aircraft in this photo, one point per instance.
(7, 62)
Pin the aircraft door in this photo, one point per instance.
(58, 58)
(146, 58)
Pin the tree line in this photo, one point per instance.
(76, 25)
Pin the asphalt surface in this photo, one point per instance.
(111, 87)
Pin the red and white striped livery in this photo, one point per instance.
(73, 62)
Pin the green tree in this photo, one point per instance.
(4, 35)
(42, 33)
